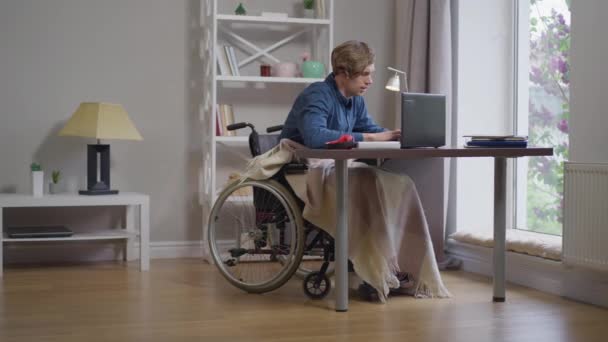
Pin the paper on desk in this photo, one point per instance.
(378, 144)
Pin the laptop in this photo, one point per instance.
(38, 232)
(422, 120)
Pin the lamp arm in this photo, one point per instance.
(396, 70)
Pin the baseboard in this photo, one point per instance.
(541, 274)
(176, 249)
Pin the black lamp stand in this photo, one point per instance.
(98, 185)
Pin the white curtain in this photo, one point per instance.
(426, 49)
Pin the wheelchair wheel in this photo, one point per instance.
(256, 235)
(317, 285)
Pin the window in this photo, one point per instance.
(542, 110)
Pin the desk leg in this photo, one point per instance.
(341, 240)
(1, 243)
(500, 216)
(144, 236)
(130, 228)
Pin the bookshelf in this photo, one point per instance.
(261, 100)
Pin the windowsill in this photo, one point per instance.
(546, 275)
(518, 241)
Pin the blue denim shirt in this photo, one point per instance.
(321, 114)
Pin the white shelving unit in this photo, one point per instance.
(256, 39)
(137, 208)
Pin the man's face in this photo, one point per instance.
(358, 85)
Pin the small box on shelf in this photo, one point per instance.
(274, 15)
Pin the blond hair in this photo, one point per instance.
(351, 58)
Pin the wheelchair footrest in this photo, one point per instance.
(237, 252)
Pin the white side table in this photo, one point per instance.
(128, 199)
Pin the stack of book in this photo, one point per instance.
(496, 141)
(226, 59)
(224, 117)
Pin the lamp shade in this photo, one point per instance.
(393, 83)
(101, 121)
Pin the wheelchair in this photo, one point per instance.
(257, 236)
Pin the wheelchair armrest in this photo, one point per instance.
(295, 168)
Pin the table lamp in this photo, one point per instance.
(394, 83)
(100, 121)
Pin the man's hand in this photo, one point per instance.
(382, 136)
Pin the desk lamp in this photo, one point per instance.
(394, 83)
(100, 121)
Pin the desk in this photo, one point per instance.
(500, 156)
(131, 201)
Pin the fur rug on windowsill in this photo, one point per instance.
(519, 241)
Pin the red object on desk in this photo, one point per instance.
(346, 141)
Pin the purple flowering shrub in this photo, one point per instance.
(549, 112)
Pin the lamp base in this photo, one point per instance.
(97, 192)
(98, 157)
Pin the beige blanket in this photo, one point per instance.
(387, 227)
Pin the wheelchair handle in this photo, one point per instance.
(274, 128)
(239, 125)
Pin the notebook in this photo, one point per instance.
(372, 145)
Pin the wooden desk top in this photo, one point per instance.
(416, 153)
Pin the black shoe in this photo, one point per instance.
(368, 292)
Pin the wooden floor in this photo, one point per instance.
(187, 300)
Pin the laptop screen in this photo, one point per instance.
(422, 120)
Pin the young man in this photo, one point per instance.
(326, 110)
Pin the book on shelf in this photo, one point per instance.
(222, 63)
(320, 9)
(224, 117)
(230, 56)
(218, 122)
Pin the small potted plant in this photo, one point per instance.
(240, 10)
(37, 180)
(309, 8)
(54, 184)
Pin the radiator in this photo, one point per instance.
(585, 237)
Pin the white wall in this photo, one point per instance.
(589, 75)
(484, 101)
(56, 54)
(374, 23)
(140, 53)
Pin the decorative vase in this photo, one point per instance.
(54, 188)
(284, 69)
(313, 69)
(309, 13)
(37, 183)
